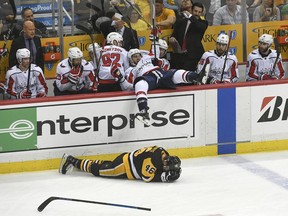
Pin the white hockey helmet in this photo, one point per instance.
(90, 47)
(266, 38)
(223, 39)
(131, 53)
(22, 53)
(163, 44)
(74, 53)
(114, 36)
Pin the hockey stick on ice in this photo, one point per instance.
(228, 47)
(277, 56)
(50, 199)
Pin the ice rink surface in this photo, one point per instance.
(235, 185)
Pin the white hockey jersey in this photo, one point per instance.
(258, 65)
(16, 81)
(216, 66)
(112, 55)
(86, 79)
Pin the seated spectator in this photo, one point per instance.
(262, 63)
(171, 4)
(135, 21)
(74, 75)
(7, 20)
(144, 6)
(30, 41)
(267, 11)
(25, 80)
(214, 6)
(27, 14)
(229, 14)
(165, 18)
(284, 11)
(217, 68)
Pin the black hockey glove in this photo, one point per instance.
(155, 62)
(171, 175)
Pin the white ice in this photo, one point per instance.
(235, 185)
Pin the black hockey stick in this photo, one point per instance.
(277, 56)
(50, 199)
(88, 28)
(228, 47)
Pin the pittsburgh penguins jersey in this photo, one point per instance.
(257, 65)
(112, 55)
(86, 78)
(216, 62)
(16, 81)
(145, 163)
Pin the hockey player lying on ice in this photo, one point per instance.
(150, 164)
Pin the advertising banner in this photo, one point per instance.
(255, 30)
(269, 112)
(97, 122)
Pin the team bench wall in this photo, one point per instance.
(191, 121)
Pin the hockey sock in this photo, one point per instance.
(191, 76)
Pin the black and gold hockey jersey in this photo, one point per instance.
(145, 163)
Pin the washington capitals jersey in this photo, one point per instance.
(16, 81)
(216, 66)
(145, 163)
(86, 78)
(112, 55)
(257, 65)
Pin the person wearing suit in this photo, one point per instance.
(31, 42)
(186, 39)
(130, 38)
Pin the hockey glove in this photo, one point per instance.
(267, 77)
(155, 32)
(116, 73)
(24, 94)
(215, 81)
(74, 74)
(155, 62)
(171, 175)
(40, 95)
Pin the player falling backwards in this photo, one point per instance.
(148, 75)
(150, 164)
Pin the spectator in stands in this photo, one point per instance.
(74, 75)
(213, 63)
(7, 20)
(186, 38)
(262, 63)
(284, 12)
(267, 11)
(135, 21)
(144, 6)
(27, 14)
(30, 41)
(171, 4)
(25, 80)
(117, 24)
(165, 18)
(229, 14)
(214, 6)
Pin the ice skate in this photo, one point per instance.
(66, 164)
(144, 118)
(202, 76)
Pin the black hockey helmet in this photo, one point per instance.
(171, 163)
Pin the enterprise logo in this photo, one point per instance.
(21, 129)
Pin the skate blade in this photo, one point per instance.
(69, 168)
(144, 121)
